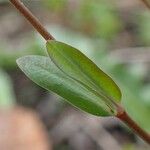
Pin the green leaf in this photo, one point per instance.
(80, 68)
(45, 73)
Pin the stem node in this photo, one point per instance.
(123, 116)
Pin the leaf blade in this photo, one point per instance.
(76, 65)
(42, 71)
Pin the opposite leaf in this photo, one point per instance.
(45, 73)
(80, 68)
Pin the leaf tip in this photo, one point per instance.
(22, 61)
(18, 60)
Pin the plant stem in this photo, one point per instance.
(123, 116)
(32, 19)
(146, 3)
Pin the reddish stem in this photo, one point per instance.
(146, 3)
(32, 19)
(126, 119)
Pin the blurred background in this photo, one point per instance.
(114, 34)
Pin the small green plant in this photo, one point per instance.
(72, 75)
